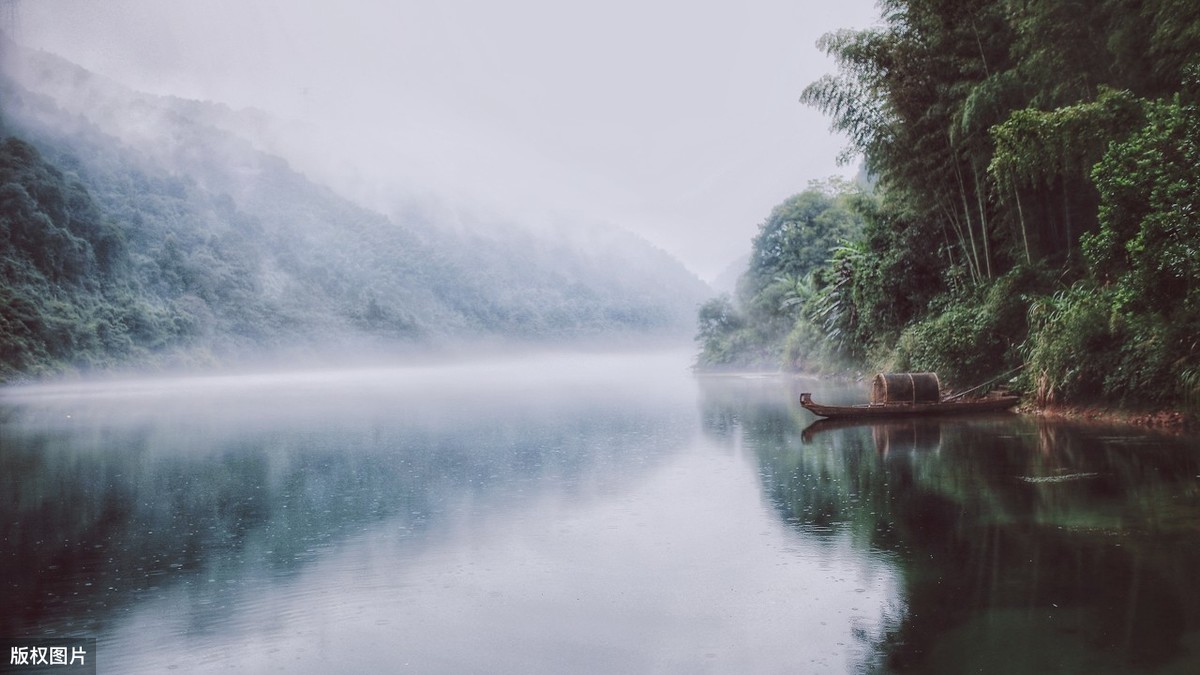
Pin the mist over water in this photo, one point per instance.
(524, 515)
(599, 512)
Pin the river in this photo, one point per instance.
(601, 513)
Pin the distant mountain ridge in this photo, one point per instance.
(216, 250)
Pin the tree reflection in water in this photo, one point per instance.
(1024, 545)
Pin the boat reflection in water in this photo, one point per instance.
(892, 435)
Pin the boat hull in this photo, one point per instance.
(990, 404)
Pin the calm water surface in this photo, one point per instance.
(584, 513)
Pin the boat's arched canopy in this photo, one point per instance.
(906, 388)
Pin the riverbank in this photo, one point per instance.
(1170, 421)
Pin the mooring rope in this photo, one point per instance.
(964, 393)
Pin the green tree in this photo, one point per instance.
(1148, 250)
(798, 236)
(1043, 162)
(915, 98)
(796, 240)
(983, 122)
(718, 330)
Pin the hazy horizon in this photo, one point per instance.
(679, 123)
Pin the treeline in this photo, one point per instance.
(68, 291)
(791, 290)
(134, 232)
(1037, 200)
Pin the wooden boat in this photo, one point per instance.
(895, 394)
(941, 407)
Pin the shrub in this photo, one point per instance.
(1072, 341)
(973, 336)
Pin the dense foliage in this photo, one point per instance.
(785, 282)
(139, 230)
(1036, 200)
(67, 292)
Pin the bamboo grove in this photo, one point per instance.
(1035, 201)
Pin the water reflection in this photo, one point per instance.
(1024, 545)
(114, 494)
(585, 513)
(538, 515)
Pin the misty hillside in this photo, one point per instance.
(138, 228)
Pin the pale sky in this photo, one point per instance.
(677, 120)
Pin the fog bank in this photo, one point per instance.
(676, 120)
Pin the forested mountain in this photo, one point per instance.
(141, 229)
(1037, 201)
